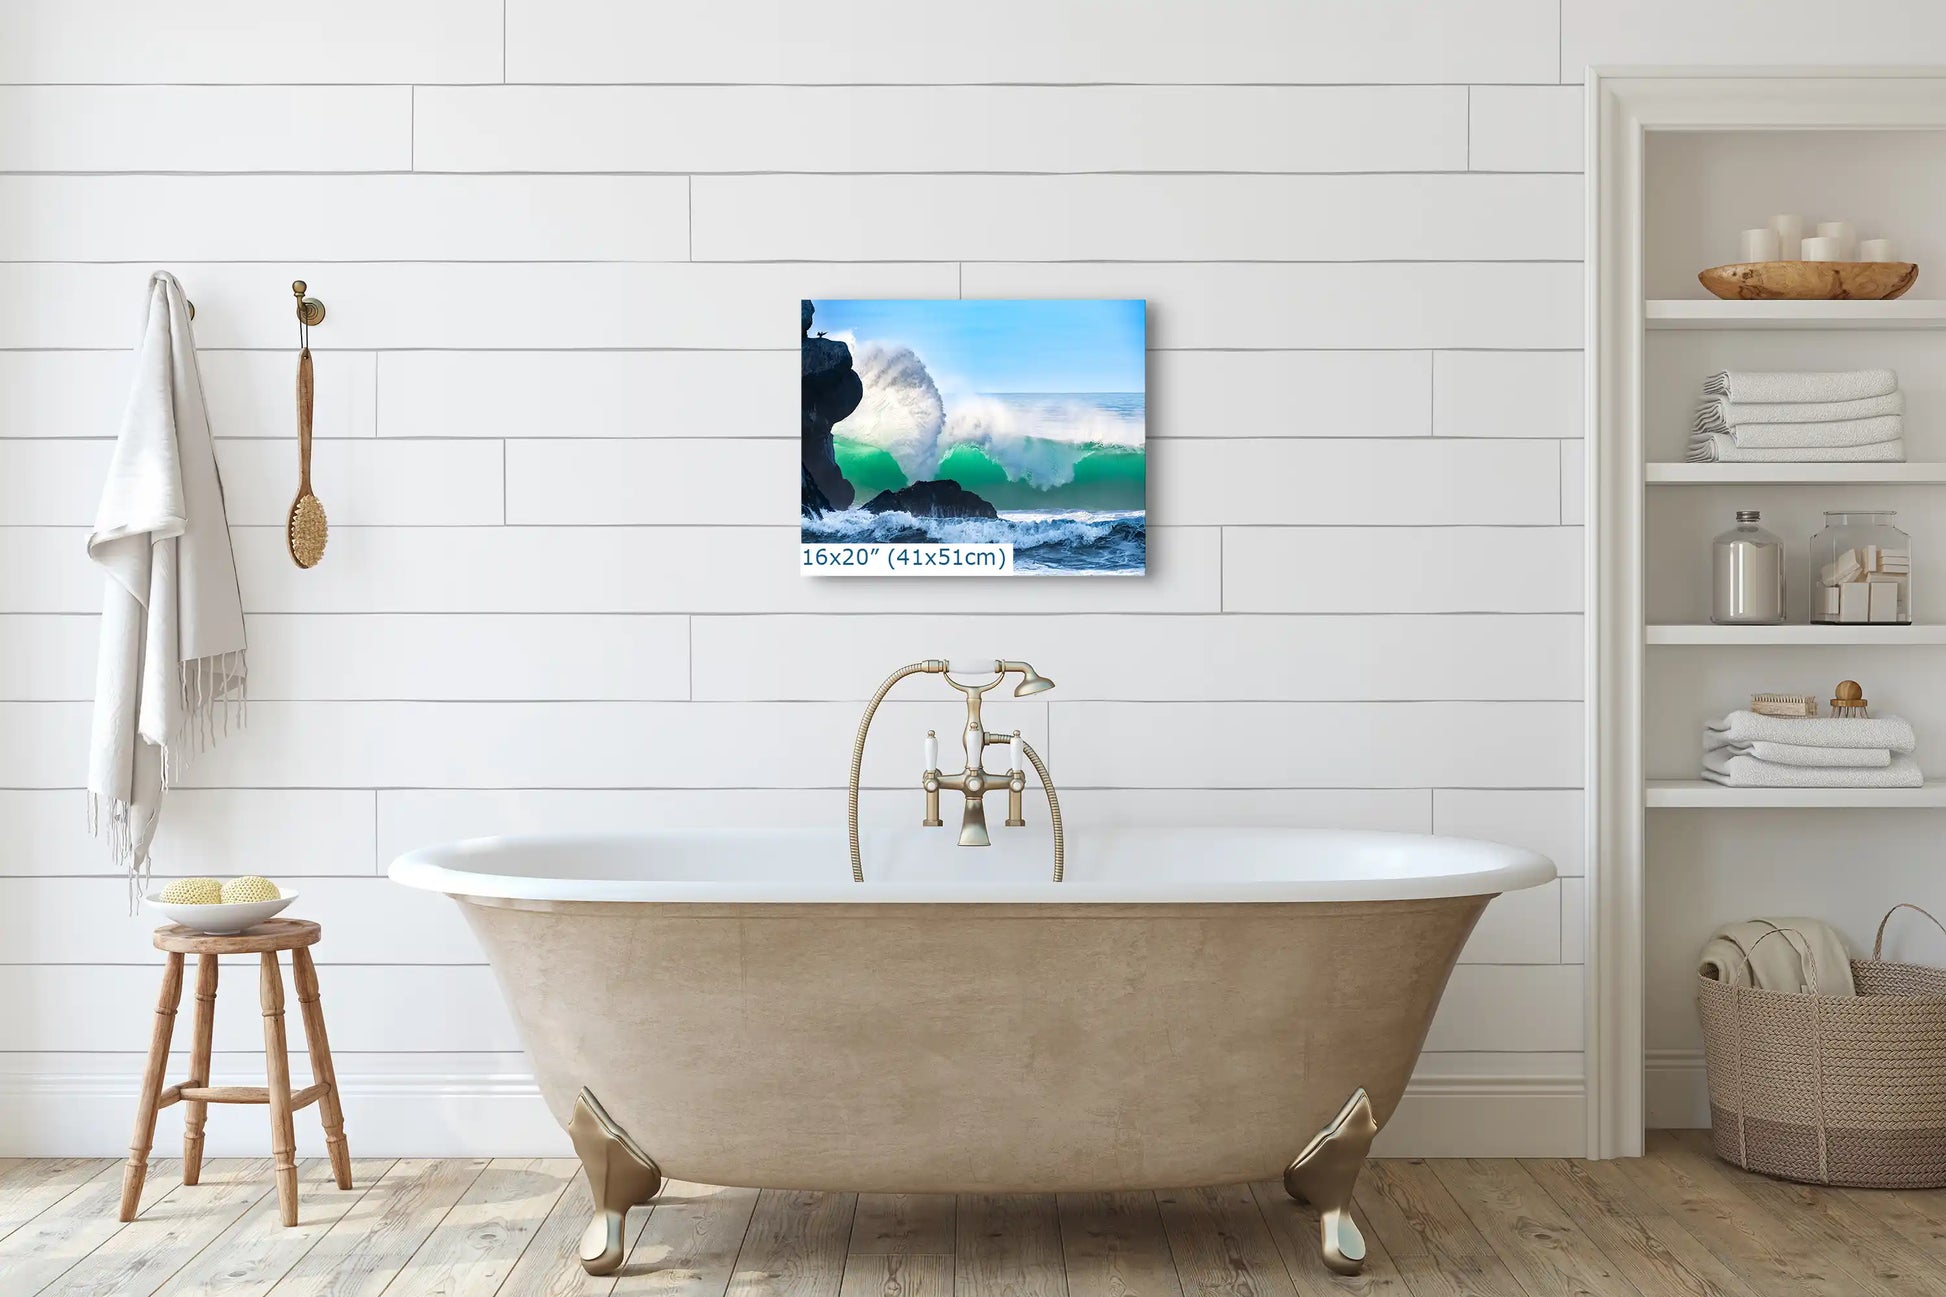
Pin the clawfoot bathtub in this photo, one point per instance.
(1190, 1007)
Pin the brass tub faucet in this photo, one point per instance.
(973, 780)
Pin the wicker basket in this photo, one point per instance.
(1840, 1090)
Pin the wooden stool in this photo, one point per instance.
(196, 1094)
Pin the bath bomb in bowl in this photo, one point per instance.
(250, 887)
(193, 891)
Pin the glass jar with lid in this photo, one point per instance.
(1861, 570)
(1747, 574)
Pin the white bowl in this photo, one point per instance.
(220, 920)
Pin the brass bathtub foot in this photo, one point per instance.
(1323, 1176)
(620, 1176)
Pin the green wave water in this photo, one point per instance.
(1106, 478)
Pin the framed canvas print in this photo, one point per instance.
(982, 438)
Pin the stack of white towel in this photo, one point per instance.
(1746, 750)
(1853, 415)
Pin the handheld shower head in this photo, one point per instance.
(1031, 681)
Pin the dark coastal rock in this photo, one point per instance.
(813, 501)
(832, 390)
(941, 499)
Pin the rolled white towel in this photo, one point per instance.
(1796, 754)
(1837, 432)
(1720, 448)
(1893, 732)
(1745, 387)
(1748, 772)
(1721, 414)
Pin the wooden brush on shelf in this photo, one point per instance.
(1795, 706)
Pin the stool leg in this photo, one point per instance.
(193, 1110)
(305, 973)
(144, 1137)
(277, 1063)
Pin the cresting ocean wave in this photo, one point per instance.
(1035, 438)
(932, 430)
(1073, 541)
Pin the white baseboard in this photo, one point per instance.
(500, 1114)
(1488, 1116)
(1675, 1095)
(469, 1114)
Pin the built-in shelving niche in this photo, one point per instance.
(1713, 854)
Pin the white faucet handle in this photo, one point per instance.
(974, 666)
(932, 750)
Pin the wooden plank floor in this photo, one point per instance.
(1675, 1222)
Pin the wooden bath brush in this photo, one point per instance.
(307, 529)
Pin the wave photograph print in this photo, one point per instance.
(982, 438)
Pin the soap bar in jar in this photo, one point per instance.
(1857, 552)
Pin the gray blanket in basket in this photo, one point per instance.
(1805, 955)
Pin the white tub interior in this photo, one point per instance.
(1162, 865)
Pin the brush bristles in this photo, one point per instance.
(308, 531)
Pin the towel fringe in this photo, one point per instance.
(118, 834)
(214, 690)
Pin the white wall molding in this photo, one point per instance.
(453, 1114)
(388, 1113)
(1488, 1116)
(1675, 1090)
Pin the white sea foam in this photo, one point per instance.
(1017, 528)
(901, 412)
(1072, 541)
(1036, 438)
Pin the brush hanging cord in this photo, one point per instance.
(307, 530)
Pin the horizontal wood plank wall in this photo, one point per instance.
(560, 241)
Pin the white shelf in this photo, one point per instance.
(1799, 633)
(1701, 793)
(1710, 313)
(1687, 474)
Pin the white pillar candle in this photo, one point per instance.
(1790, 233)
(1760, 245)
(1820, 248)
(1016, 751)
(1846, 236)
(932, 750)
(1876, 250)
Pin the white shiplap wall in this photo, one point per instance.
(560, 241)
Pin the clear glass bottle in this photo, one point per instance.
(1747, 575)
(1861, 570)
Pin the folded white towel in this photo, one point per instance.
(1721, 414)
(1795, 754)
(1748, 772)
(1746, 387)
(1780, 436)
(1717, 447)
(1892, 732)
(1805, 955)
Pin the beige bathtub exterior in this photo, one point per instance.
(956, 1048)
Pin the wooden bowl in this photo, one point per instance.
(1814, 281)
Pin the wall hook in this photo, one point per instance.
(310, 311)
